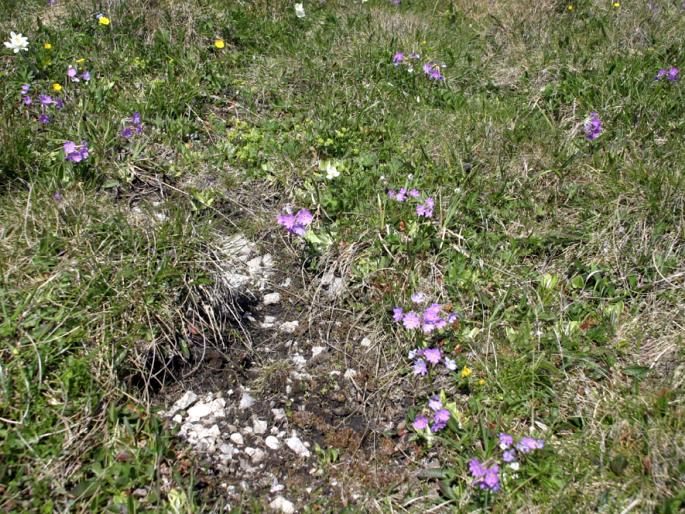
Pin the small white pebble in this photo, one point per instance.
(350, 374)
(272, 442)
(283, 505)
(272, 298)
(289, 327)
(237, 438)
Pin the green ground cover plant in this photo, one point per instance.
(509, 175)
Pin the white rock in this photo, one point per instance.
(296, 445)
(182, 403)
(255, 454)
(316, 350)
(267, 260)
(254, 265)
(282, 505)
(279, 414)
(246, 401)
(366, 342)
(289, 326)
(286, 282)
(350, 374)
(213, 408)
(272, 442)
(259, 426)
(276, 488)
(336, 287)
(178, 419)
(227, 449)
(299, 360)
(272, 298)
(237, 438)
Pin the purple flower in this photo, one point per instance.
(476, 469)
(432, 355)
(401, 195)
(441, 416)
(25, 88)
(420, 423)
(411, 320)
(59, 104)
(45, 99)
(127, 132)
(418, 297)
(509, 455)
(75, 153)
(85, 76)
(398, 58)
(450, 364)
(434, 403)
(392, 194)
(528, 444)
(505, 441)
(660, 74)
(491, 480)
(71, 72)
(44, 119)
(432, 313)
(135, 119)
(414, 193)
(426, 209)
(295, 223)
(57, 197)
(27, 100)
(593, 127)
(397, 314)
(672, 74)
(432, 70)
(420, 367)
(485, 478)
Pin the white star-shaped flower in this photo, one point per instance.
(17, 42)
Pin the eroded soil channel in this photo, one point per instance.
(302, 405)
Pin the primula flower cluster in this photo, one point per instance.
(432, 318)
(44, 101)
(593, 127)
(440, 415)
(295, 223)
(432, 356)
(485, 477)
(671, 74)
(488, 478)
(75, 153)
(72, 73)
(134, 124)
(423, 208)
(431, 69)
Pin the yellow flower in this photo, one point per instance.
(466, 372)
(569, 7)
(616, 4)
(481, 382)
(56, 87)
(103, 20)
(219, 43)
(80, 61)
(47, 46)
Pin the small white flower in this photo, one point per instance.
(299, 10)
(515, 466)
(331, 172)
(17, 42)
